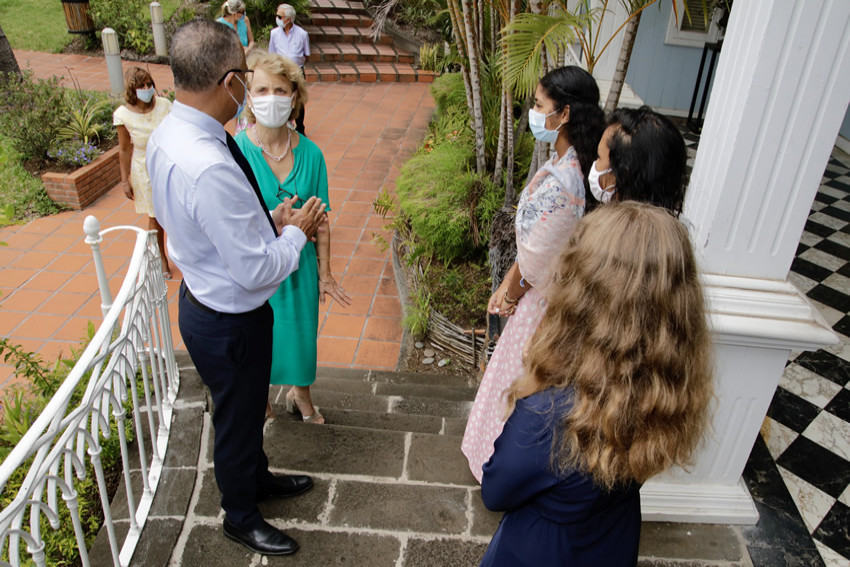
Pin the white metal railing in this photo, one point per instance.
(131, 357)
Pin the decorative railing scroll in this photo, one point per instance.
(129, 363)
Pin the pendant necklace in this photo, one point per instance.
(266, 150)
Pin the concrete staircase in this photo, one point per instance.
(392, 488)
(342, 49)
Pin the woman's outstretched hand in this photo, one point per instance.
(329, 287)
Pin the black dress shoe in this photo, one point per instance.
(285, 485)
(264, 539)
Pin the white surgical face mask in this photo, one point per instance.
(537, 124)
(603, 195)
(280, 22)
(271, 111)
(145, 95)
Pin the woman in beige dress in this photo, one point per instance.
(135, 121)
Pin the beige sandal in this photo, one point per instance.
(292, 406)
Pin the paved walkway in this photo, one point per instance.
(366, 131)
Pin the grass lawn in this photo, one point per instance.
(39, 25)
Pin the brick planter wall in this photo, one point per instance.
(84, 186)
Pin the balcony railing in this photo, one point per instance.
(130, 359)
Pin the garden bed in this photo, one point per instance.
(87, 184)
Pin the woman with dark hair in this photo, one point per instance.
(616, 388)
(642, 157)
(135, 121)
(566, 113)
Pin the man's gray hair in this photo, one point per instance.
(201, 52)
(288, 11)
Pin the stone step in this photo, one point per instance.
(395, 377)
(458, 393)
(334, 449)
(337, 7)
(325, 52)
(366, 72)
(347, 34)
(356, 20)
(433, 424)
(405, 405)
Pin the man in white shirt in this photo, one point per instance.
(291, 41)
(226, 244)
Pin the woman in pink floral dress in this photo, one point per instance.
(566, 112)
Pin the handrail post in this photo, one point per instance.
(93, 238)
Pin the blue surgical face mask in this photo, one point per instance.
(239, 106)
(537, 124)
(145, 95)
(280, 23)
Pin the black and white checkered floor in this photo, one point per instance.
(799, 469)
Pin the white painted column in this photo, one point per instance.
(780, 93)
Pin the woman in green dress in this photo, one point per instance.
(290, 166)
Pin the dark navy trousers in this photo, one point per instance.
(233, 355)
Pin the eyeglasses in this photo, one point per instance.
(235, 70)
(283, 193)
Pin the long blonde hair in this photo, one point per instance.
(626, 331)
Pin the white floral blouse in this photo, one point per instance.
(549, 208)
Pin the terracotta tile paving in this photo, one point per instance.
(366, 131)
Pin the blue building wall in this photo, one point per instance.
(662, 75)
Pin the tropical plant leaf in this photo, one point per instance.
(525, 37)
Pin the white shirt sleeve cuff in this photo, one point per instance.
(295, 235)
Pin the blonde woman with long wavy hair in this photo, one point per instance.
(617, 389)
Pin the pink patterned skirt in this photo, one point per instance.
(488, 412)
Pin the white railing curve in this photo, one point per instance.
(130, 358)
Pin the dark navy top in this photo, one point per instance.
(553, 519)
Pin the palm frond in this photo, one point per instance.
(523, 41)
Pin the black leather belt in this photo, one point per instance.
(194, 301)
(184, 289)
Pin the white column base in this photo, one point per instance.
(755, 324)
(697, 503)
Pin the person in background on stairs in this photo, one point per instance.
(290, 40)
(233, 16)
(290, 166)
(616, 389)
(135, 121)
(233, 254)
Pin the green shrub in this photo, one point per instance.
(131, 20)
(89, 116)
(418, 314)
(448, 92)
(31, 112)
(19, 190)
(460, 292)
(448, 204)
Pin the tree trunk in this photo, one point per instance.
(510, 191)
(8, 62)
(629, 34)
(503, 137)
(457, 32)
(475, 83)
